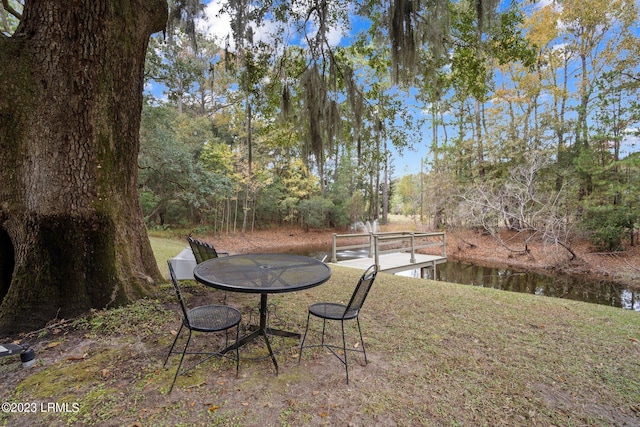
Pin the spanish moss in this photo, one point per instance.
(182, 16)
(423, 25)
(315, 98)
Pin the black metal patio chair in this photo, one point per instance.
(334, 311)
(208, 318)
(203, 251)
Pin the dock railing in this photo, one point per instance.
(389, 242)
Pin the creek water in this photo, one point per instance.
(559, 286)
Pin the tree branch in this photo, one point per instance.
(631, 76)
(573, 254)
(159, 172)
(5, 5)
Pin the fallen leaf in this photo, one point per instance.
(315, 392)
(53, 344)
(245, 403)
(213, 408)
(72, 358)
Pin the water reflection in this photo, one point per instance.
(560, 286)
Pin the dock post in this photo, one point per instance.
(444, 245)
(413, 249)
(377, 256)
(334, 258)
(373, 249)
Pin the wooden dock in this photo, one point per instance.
(392, 252)
(396, 262)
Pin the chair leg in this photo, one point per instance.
(304, 337)
(344, 349)
(173, 345)
(180, 363)
(324, 323)
(237, 349)
(362, 341)
(331, 347)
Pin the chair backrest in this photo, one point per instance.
(361, 291)
(209, 250)
(201, 251)
(195, 248)
(183, 304)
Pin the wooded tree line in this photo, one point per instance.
(528, 118)
(255, 137)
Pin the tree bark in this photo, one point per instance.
(72, 235)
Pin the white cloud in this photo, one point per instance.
(218, 25)
(541, 4)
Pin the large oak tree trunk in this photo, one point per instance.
(71, 230)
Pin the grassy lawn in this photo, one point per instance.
(164, 249)
(440, 354)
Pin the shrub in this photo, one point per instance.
(315, 211)
(606, 226)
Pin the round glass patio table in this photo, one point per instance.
(264, 274)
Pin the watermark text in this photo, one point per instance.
(39, 407)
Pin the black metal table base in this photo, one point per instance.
(264, 331)
(264, 274)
